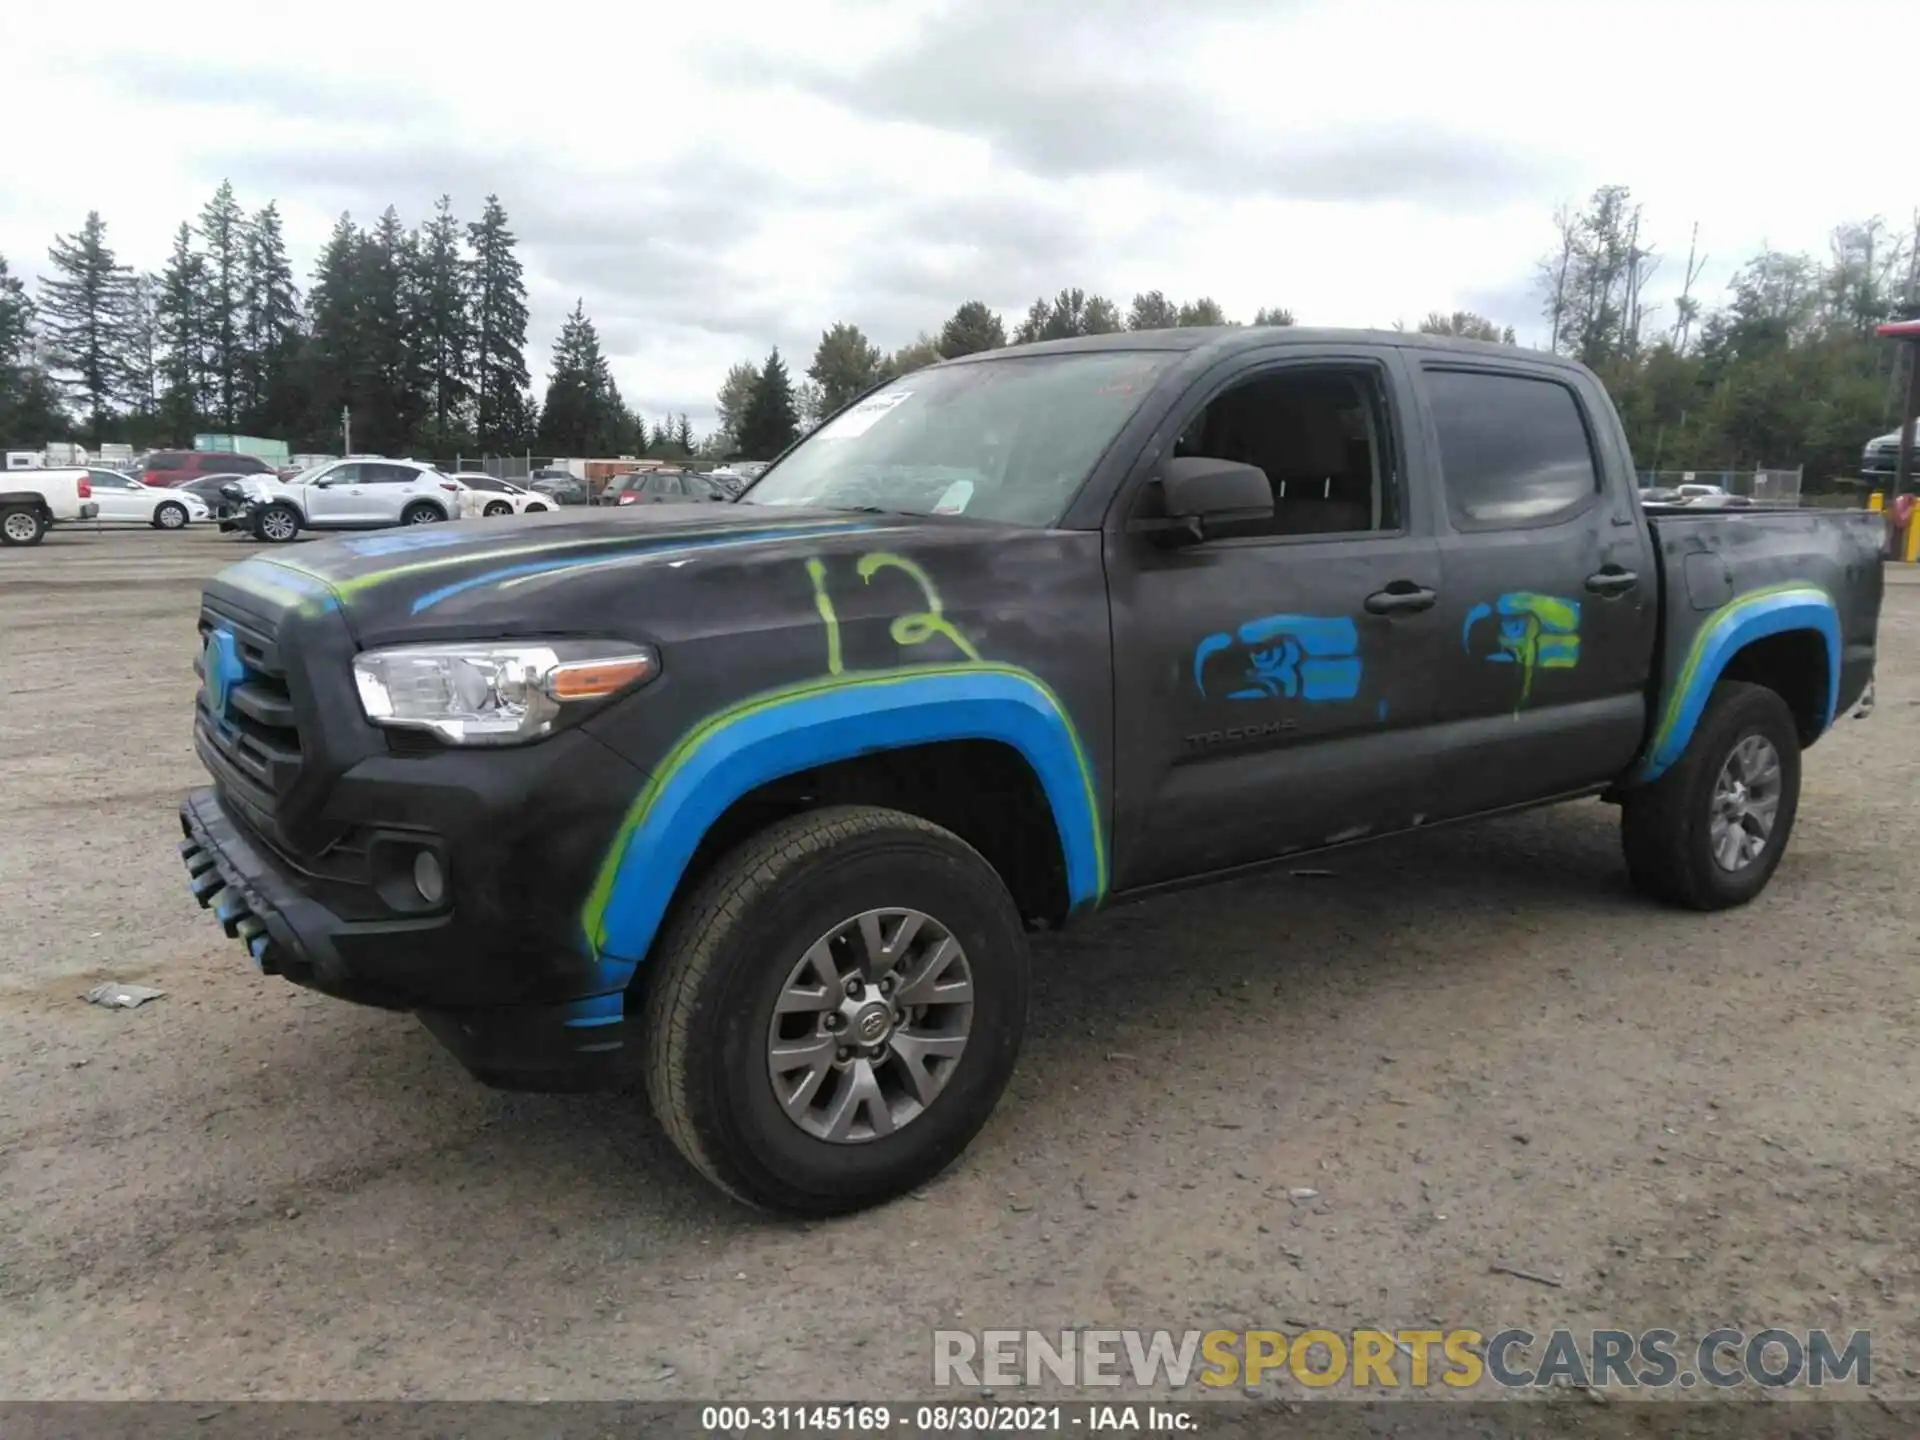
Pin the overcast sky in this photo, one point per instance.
(719, 177)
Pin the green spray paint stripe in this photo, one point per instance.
(1676, 698)
(640, 539)
(594, 913)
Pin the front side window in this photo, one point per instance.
(1009, 440)
(1514, 450)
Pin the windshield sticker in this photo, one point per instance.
(954, 500)
(864, 416)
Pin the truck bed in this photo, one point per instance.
(1713, 562)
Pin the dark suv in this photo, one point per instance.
(176, 467)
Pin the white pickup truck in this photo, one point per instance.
(32, 501)
(352, 494)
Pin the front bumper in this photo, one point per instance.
(422, 963)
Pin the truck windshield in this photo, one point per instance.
(1009, 440)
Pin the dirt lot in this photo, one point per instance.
(1477, 1047)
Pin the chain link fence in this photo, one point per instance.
(1763, 487)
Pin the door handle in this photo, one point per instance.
(1612, 581)
(1403, 597)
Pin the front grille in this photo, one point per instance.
(252, 742)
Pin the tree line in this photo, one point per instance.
(420, 334)
(417, 336)
(1786, 371)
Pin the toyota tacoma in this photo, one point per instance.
(762, 799)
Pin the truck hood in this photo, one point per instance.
(606, 571)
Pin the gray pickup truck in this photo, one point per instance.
(765, 795)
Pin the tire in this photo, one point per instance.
(22, 525)
(497, 507)
(169, 515)
(1667, 827)
(276, 524)
(736, 943)
(422, 512)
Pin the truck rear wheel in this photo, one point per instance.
(832, 1015)
(1710, 831)
(22, 525)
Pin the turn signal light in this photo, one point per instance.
(596, 679)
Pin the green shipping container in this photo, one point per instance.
(274, 452)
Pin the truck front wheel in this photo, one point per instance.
(1708, 833)
(833, 1013)
(277, 524)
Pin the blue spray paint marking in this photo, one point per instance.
(1739, 624)
(1535, 632)
(283, 583)
(837, 723)
(650, 550)
(223, 670)
(401, 542)
(1305, 657)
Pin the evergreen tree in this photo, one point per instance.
(770, 423)
(142, 348)
(180, 325)
(270, 337)
(845, 364)
(683, 435)
(390, 383)
(223, 227)
(335, 351)
(503, 415)
(444, 332)
(583, 413)
(83, 312)
(971, 329)
(30, 410)
(1272, 315)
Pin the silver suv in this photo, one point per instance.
(351, 494)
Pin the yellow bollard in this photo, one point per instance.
(1877, 501)
(1911, 550)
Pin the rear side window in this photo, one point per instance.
(166, 462)
(1514, 450)
(243, 464)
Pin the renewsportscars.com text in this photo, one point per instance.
(1372, 1359)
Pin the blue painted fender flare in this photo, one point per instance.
(1778, 610)
(784, 732)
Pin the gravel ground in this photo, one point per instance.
(1477, 1047)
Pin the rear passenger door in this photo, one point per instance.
(1549, 602)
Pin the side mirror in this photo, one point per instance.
(1198, 491)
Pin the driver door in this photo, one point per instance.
(338, 497)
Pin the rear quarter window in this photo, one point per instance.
(1514, 449)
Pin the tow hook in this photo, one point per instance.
(1865, 707)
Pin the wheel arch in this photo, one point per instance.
(1786, 638)
(985, 750)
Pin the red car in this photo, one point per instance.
(176, 467)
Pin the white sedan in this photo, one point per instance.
(487, 495)
(123, 500)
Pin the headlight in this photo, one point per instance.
(480, 694)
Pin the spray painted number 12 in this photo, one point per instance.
(911, 627)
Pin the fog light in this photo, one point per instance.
(428, 878)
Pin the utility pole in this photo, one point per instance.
(346, 430)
